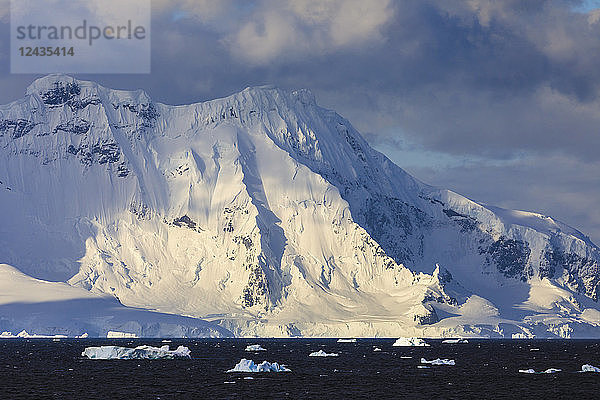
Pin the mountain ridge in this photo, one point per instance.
(272, 216)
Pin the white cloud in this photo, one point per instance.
(262, 41)
(295, 29)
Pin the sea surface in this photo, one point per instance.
(485, 369)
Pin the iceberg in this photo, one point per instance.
(455, 341)
(346, 341)
(255, 347)
(376, 349)
(321, 353)
(120, 335)
(520, 335)
(589, 368)
(265, 366)
(438, 361)
(140, 352)
(26, 335)
(532, 371)
(410, 342)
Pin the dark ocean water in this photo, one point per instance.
(485, 369)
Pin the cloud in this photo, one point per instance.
(298, 29)
(485, 81)
(345, 22)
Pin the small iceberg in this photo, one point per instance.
(140, 352)
(589, 368)
(265, 366)
(376, 349)
(438, 361)
(120, 335)
(548, 371)
(410, 342)
(520, 335)
(455, 341)
(346, 341)
(321, 353)
(255, 347)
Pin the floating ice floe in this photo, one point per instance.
(140, 352)
(532, 371)
(455, 341)
(265, 366)
(376, 349)
(589, 368)
(410, 342)
(423, 367)
(346, 341)
(438, 361)
(321, 353)
(255, 347)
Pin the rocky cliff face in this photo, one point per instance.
(270, 215)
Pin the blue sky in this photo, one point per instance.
(497, 100)
(587, 5)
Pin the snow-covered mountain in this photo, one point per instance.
(269, 215)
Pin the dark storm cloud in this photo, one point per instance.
(483, 79)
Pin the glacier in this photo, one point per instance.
(260, 214)
(41, 309)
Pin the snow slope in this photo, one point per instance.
(270, 215)
(54, 308)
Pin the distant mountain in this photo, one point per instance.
(269, 215)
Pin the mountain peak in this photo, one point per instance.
(48, 82)
(67, 85)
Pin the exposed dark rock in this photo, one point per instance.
(510, 257)
(465, 222)
(16, 128)
(76, 126)
(391, 222)
(428, 318)
(245, 240)
(61, 93)
(186, 222)
(256, 291)
(583, 274)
